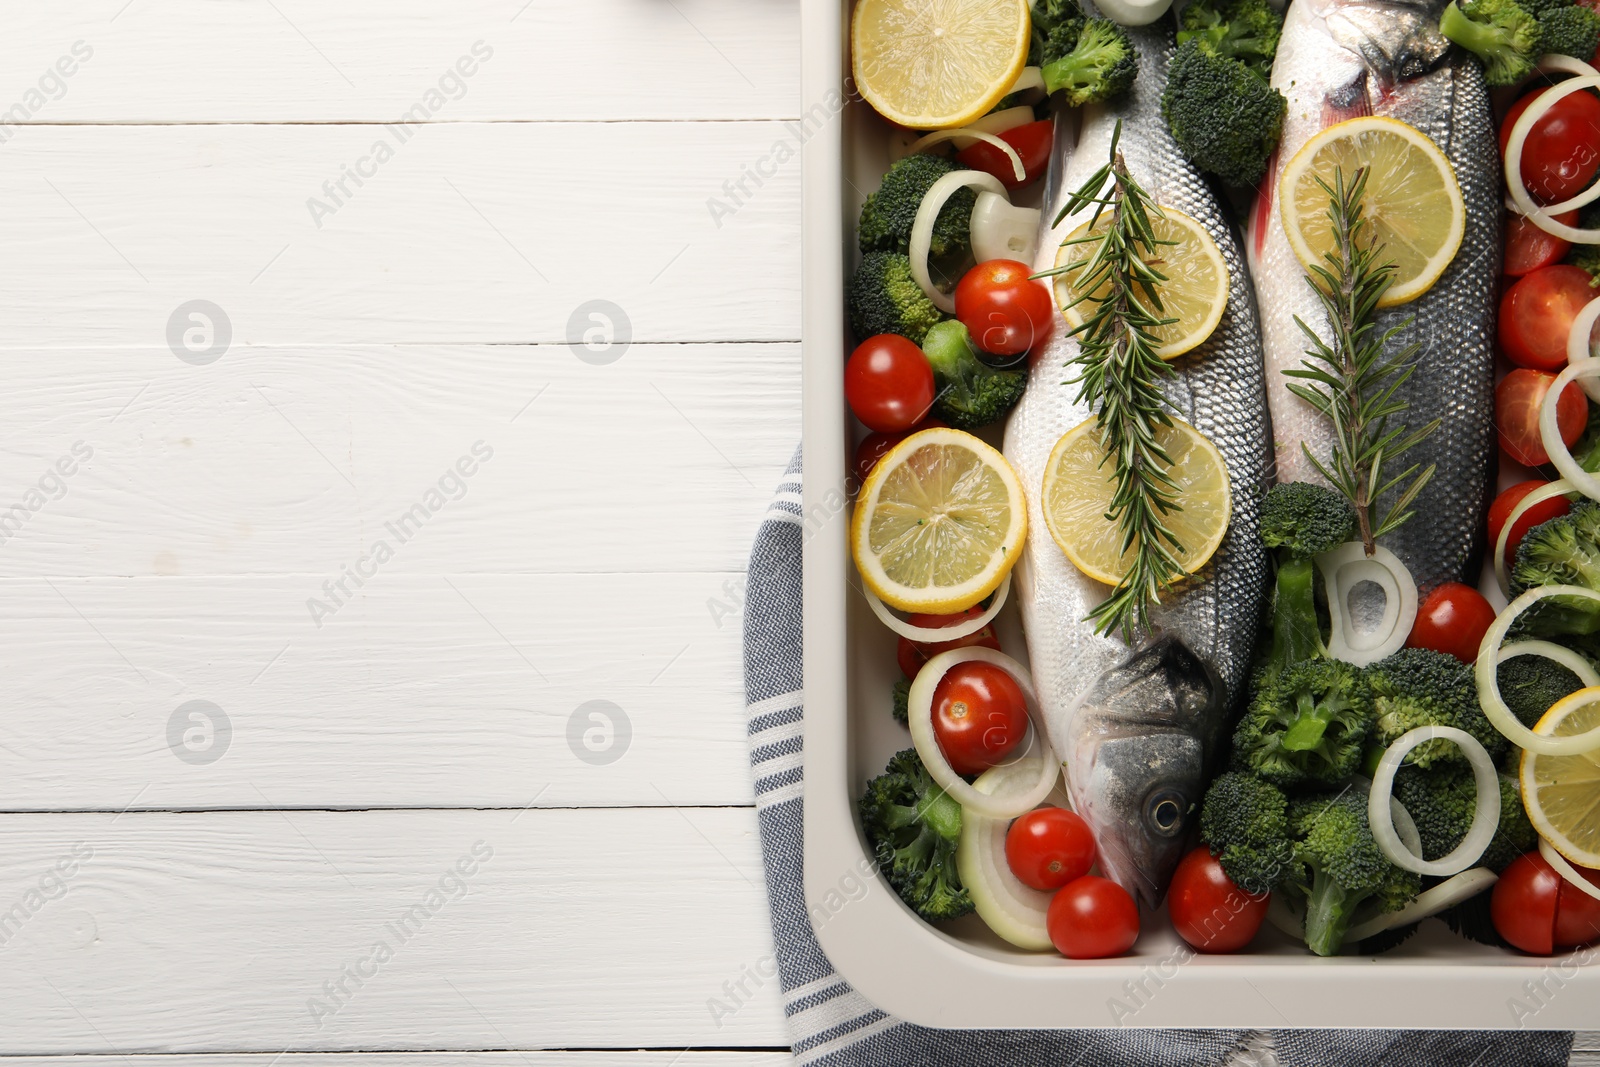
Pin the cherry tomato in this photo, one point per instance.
(1032, 142)
(913, 654)
(1528, 248)
(1048, 847)
(1003, 310)
(1507, 502)
(889, 383)
(979, 716)
(1577, 913)
(1208, 910)
(1092, 918)
(875, 446)
(1452, 619)
(1562, 151)
(1523, 904)
(1536, 315)
(1517, 400)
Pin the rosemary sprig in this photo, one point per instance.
(1352, 382)
(1117, 374)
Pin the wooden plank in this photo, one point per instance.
(459, 232)
(218, 932)
(531, 1058)
(298, 460)
(424, 691)
(302, 61)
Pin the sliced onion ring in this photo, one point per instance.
(922, 228)
(1003, 230)
(1012, 796)
(1560, 653)
(946, 633)
(966, 135)
(1543, 216)
(1489, 683)
(1014, 911)
(1342, 570)
(1502, 570)
(1565, 869)
(1446, 894)
(1485, 815)
(1556, 63)
(1550, 429)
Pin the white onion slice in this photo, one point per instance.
(1485, 814)
(922, 227)
(1030, 81)
(1447, 894)
(945, 633)
(1012, 796)
(1543, 217)
(1133, 12)
(963, 136)
(1002, 230)
(1560, 653)
(1565, 869)
(998, 122)
(1502, 569)
(1404, 824)
(1555, 63)
(1550, 429)
(1014, 911)
(1489, 683)
(1342, 570)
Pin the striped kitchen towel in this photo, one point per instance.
(831, 1024)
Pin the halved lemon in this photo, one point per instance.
(933, 64)
(1412, 199)
(1195, 292)
(939, 523)
(1562, 793)
(1077, 493)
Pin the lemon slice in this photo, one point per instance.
(1077, 492)
(939, 523)
(1412, 199)
(934, 64)
(1562, 793)
(1195, 292)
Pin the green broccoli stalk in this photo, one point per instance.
(1529, 685)
(1420, 687)
(1562, 551)
(1224, 115)
(1101, 65)
(1246, 30)
(1441, 801)
(1307, 724)
(890, 211)
(913, 827)
(885, 298)
(1300, 520)
(1245, 823)
(969, 392)
(1501, 33)
(1342, 867)
(1573, 30)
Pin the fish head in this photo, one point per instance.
(1146, 737)
(1361, 52)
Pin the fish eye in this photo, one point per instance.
(1164, 811)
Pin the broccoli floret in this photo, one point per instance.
(1586, 257)
(1570, 31)
(1245, 823)
(885, 298)
(902, 701)
(1421, 687)
(1343, 868)
(1246, 30)
(1563, 551)
(1224, 115)
(1300, 520)
(1503, 34)
(1531, 684)
(913, 827)
(887, 216)
(1441, 801)
(1540, 8)
(970, 393)
(1307, 724)
(1101, 65)
(1056, 25)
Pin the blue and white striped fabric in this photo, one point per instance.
(831, 1024)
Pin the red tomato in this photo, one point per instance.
(875, 446)
(888, 383)
(911, 655)
(1507, 502)
(1452, 619)
(1049, 847)
(1003, 310)
(979, 716)
(1032, 142)
(1536, 315)
(1562, 151)
(1516, 414)
(1577, 913)
(1208, 910)
(1523, 904)
(1092, 918)
(1528, 248)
